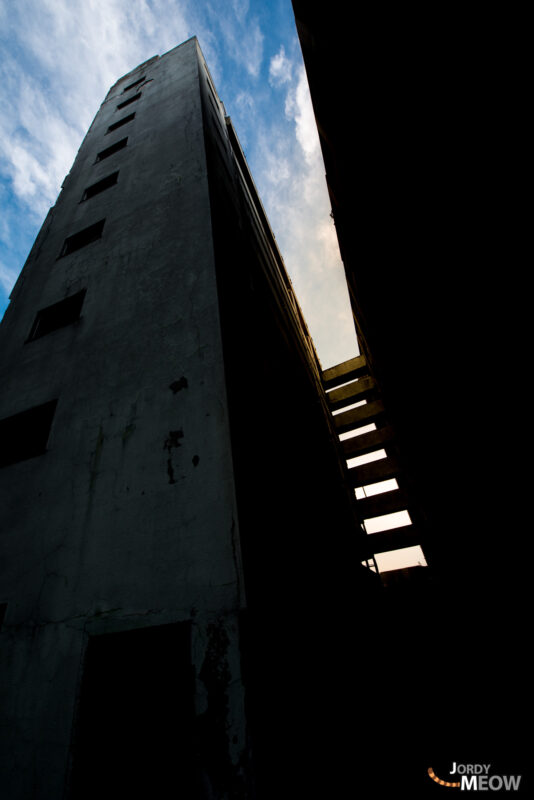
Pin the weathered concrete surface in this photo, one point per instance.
(129, 518)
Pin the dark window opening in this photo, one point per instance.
(3, 609)
(135, 83)
(25, 435)
(111, 149)
(58, 315)
(100, 186)
(130, 100)
(136, 720)
(82, 238)
(120, 123)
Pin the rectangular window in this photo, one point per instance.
(82, 238)
(120, 123)
(100, 186)
(3, 610)
(130, 100)
(135, 83)
(25, 435)
(114, 148)
(58, 315)
(136, 686)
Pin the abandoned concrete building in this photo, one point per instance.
(191, 599)
(170, 471)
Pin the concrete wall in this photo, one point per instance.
(129, 518)
(308, 666)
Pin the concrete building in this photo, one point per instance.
(181, 566)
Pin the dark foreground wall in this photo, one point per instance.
(414, 111)
(306, 650)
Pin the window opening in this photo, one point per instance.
(386, 522)
(100, 186)
(135, 83)
(57, 315)
(114, 148)
(130, 100)
(349, 407)
(357, 431)
(25, 435)
(120, 123)
(82, 238)
(401, 559)
(376, 488)
(358, 461)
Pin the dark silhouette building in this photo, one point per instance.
(185, 603)
(419, 214)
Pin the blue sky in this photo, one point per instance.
(58, 59)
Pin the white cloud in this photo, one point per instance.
(36, 143)
(289, 172)
(59, 59)
(68, 54)
(241, 8)
(280, 68)
(299, 107)
(244, 101)
(72, 52)
(243, 40)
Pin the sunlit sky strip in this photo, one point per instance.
(58, 59)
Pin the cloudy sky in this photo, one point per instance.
(58, 59)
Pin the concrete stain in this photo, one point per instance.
(176, 386)
(172, 442)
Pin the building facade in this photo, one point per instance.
(180, 557)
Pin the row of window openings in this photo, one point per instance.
(113, 127)
(25, 435)
(395, 559)
(94, 232)
(111, 180)
(109, 151)
(124, 120)
(114, 148)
